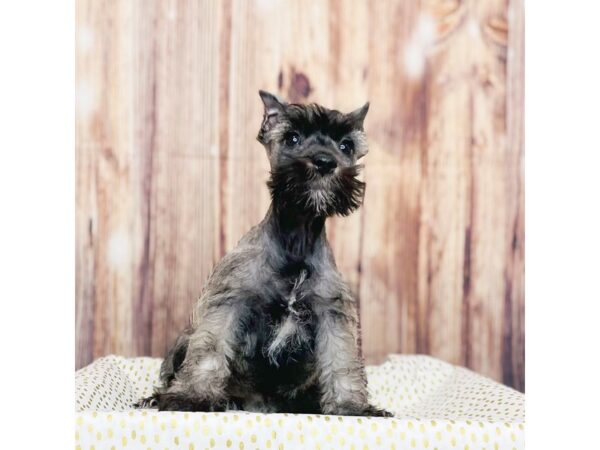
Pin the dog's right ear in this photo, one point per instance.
(274, 109)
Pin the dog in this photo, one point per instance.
(276, 327)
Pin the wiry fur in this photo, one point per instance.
(276, 327)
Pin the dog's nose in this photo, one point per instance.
(325, 163)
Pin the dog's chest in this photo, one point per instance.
(281, 331)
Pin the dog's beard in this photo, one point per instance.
(296, 185)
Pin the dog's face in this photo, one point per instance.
(313, 152)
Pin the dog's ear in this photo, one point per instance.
(274, 109)
(357, 117)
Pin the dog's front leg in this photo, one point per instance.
(342, 378)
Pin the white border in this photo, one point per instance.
(562, 148)
(37, 224)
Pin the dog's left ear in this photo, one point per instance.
(357, 117)
(274, 109)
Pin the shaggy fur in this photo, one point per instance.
(276, 327)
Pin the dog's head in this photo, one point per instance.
(313, 152)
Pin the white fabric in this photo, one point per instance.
(436, 405)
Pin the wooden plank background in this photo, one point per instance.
(169, 174)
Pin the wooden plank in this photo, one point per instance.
(395, 126)
(104, 142)
(488, 206)
(513, 350)
(85, 199)
(184, 191)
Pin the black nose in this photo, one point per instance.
(325, 163)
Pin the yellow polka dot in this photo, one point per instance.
(280, 447)
(98, 436)
(241, 445)
(413, 443)
(191, 446)
(425, 442)
(157, 438)
(289, 436)
(143, 439)
(438, 435)
(124, 441)
(486, 437)
(238, 432)
(212, 442)
(228, 443)
(422, 428)
(268, 443)
(253, 438)
(513, 437)
(176, 440)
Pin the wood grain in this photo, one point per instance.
(170, 176)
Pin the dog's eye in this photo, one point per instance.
(292, 139)
(347, 146)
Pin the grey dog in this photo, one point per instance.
(276, 327)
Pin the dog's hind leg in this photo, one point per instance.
(169, 367)
(199, 382)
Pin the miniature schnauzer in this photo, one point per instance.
(276, 327)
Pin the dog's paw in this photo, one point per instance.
(373, 411)
(148, 402)
(353, 409)
(168, 401)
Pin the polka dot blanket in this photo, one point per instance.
(436, 406)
